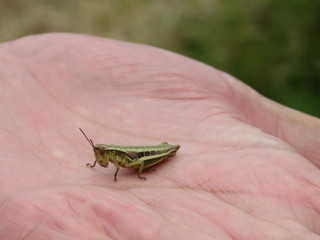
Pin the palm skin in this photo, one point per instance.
(247, 167)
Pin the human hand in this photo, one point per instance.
(247, 168)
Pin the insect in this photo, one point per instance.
(140, 157)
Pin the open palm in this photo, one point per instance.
(247, 167)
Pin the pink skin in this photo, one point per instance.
(248, 168)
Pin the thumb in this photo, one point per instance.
(300, 130)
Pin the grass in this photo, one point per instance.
(271, 45)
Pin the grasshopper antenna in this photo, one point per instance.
(89, 140)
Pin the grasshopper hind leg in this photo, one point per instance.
(140, 170)
(137, 164)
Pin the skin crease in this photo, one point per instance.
(248, 168)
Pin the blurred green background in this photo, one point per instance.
(271, 45)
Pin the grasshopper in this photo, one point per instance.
(130, 156)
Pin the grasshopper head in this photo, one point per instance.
(99, 152)
(101, 155)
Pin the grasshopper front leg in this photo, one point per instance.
(91, 165)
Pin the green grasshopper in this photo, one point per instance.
(130, 156)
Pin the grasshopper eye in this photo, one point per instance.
(101, 151)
